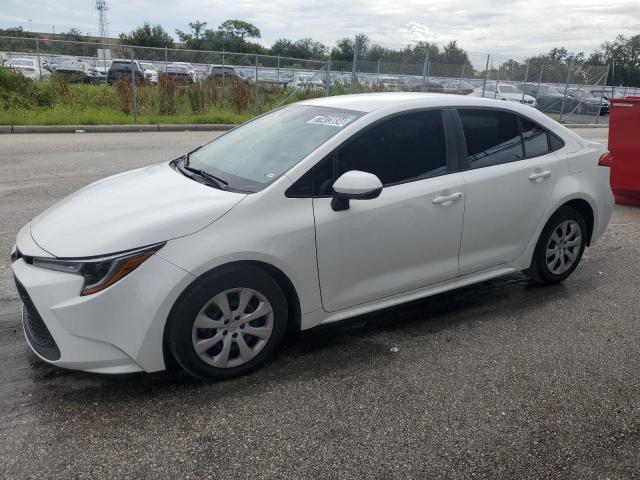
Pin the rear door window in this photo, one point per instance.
(535, 139)
(492, 137)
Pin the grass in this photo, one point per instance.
(56, 102)
(65, 115)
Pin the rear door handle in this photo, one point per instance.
(539, 176)
(447, 200)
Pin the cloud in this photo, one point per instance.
(498, 26)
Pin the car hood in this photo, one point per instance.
(129, 210)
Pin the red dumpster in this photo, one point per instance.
(624, 145)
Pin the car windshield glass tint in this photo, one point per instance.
(256, 153)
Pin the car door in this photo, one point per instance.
(510, 174)
(409, 236)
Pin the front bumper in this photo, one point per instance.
(118, 330)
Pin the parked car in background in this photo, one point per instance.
(195, 75)
(28, 67)
(76, 72)
(150, 72)
(223, 71)
(101, 69)
(308, 83)
(587, 103)
(549, 98)
(504, 91)
(606, 94)
(458, 87)
(49, 65)
(426, 86)
(180, 74)
(124, 69)
(309, 214)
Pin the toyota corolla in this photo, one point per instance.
(310, 214)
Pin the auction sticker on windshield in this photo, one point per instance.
(330, 121)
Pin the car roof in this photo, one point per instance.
(369, 102)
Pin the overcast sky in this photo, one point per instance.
(498, 26)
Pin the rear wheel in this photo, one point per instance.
(559, 247)
(228, 323)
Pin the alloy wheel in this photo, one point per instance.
(232, 327)
(563, 247)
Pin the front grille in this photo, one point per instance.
(37, 332)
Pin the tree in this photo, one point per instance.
(148, 36)
(239, 29)
(343, 51)
(305, 48)
(193, 40)
(230, 36)
(624, 54)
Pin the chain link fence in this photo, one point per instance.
(156, 82)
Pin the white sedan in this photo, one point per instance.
(310, 214)
(29, 68)
(150, 72)
(504, 91)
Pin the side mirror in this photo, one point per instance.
(354, 185)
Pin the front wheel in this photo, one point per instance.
(228, 323)
(560, 247)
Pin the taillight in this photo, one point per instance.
(606, 160)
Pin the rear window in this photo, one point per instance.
(509, 89)
(220, 71)
(122, 65)
(22, 63)
(492, 137)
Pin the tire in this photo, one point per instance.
(229, 344)
(564, 239)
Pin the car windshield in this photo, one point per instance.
(255, 154)
(509, 89)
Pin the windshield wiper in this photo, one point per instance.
(221, 183)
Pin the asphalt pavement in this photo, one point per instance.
(504, 379)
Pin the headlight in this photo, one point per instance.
(99, 272)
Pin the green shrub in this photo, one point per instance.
(16, 91)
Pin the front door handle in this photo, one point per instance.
(540, 176)
(447, 200)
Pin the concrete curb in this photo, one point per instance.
(112, 128)
(204, 127)
(585, 125)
